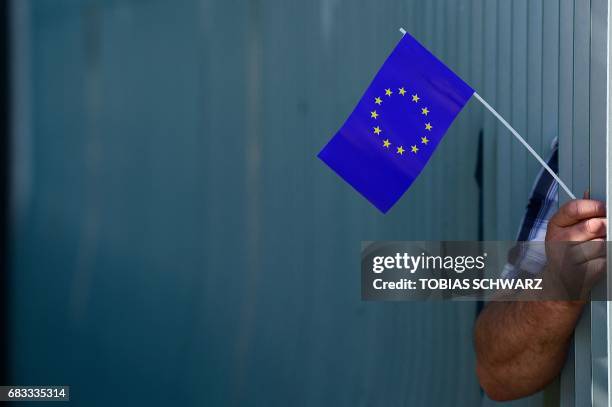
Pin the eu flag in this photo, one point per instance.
(397, 125)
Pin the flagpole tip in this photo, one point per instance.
(402, 30)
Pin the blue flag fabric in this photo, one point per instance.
(397, 125)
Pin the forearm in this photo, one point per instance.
(521, 346)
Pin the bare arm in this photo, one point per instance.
(521, 346)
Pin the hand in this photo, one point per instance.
(575, 246)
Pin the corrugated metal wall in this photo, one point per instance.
(584, 114)
(175, 237)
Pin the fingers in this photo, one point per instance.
(577, 210)
(590, 229)
(591, 272)
(579, 265)
(583, 252)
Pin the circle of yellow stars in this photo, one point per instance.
(378, 100)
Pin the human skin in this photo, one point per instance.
(522, 346)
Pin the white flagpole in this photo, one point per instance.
(521, 139)
(525, 144)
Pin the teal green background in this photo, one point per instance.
(175, 241)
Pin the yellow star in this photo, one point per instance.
(377, 130)
(414, 149)
(374, 114)
(400, 150)
(388, 92)
(428, 126)
(415, 98)
(424, 111)
(378, 101)
(402, 91)
(386, 143)
(424, 140)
